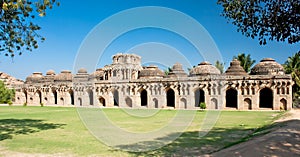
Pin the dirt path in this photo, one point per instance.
(282, 141)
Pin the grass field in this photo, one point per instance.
(59, 130)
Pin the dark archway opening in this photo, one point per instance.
(91, 96)
(199, 97)
(71, 96)
(170, 98)
(128, 102)
(266, 98)
(231, 98)
(55, 96)
(102, 101)
(116, 98)
(40, 95)
(144, 98)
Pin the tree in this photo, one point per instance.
(220, 66)
(266, 19)
(292, 66)
(18, 33)
(246, 61)
(6, 95)
(167, 71)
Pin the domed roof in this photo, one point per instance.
(151, 71)
(177, 71)
(267, 66)
(35, 77)
(50, 72)
(205, 68)
(82, 71)
(64, 75)
(235, 68)
(97, 74)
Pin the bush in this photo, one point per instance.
(25, 104)
(42, 104)
(6, 95)
(10, 103)
(202, 105)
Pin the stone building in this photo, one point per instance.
(125, 83)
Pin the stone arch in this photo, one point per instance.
(199, 96)
(54, 92)
(144, 97)
(39, 95)
(266, 98)
(91, 96)
(80, 101)
(116, 97)
(183, 103)
(155, 101)
(128, 102)
(214, 103)
(71, 92)
(102, 101)
(283, 104)
(170, 97)
(231, 98)
(248, 103)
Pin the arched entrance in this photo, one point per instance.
(116, 97)
(199, 97)
(247, 104)
(102, 101)
(144, 98)
(170, 98)
(266, 98)
(231, 98)
(91, 96)
(283, 104)
(71, 96)
(54, 95)
(39, 95)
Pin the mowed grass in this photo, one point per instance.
(59, 130)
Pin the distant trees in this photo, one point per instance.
(246, 61)
(292, 66)
(6, 95)
(18, 33)
(220, 66)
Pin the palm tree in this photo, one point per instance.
(220, 66)
(246, 61)
(292, 66)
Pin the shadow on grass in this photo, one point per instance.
(190, 144)
(11, 127)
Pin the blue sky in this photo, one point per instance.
(65, 28)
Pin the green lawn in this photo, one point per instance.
(59, 130)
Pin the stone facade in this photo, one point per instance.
(125, 83)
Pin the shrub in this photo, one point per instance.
(42, 104)
(6, 95)
(202, 105)
(9, 103)
(25, 104)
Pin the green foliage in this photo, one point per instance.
(292, 66)
(220, 66)
(266, 19)
(202, 105)
(246, 61)
(6, 95)
(42, 104)
(17, 31)
(25, 104)
(167, 71)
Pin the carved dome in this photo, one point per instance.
(50, 72)
(267, 66)
(235, 68)
(205, 68)
(98, 74)
(177, 71)
(151, 71)
(82, 71)
(35, 77)
(64, 75)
